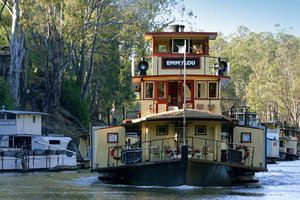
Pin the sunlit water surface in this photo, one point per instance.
(282, 181)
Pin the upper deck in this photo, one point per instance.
(167, 59)
(159, 79)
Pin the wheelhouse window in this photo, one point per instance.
(161, 130)
(112, 138)
(177, 43)
(161, 90)
(212, 90)
(149, 94)
(245, 137)
(200, 130)
(201, 89)
(162, 48)
(33, 119)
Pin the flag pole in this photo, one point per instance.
(184, 95)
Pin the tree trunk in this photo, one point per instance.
(17, 52)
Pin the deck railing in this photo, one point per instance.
(170, 148)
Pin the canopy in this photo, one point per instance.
(179, 114)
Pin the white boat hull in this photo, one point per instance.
(9, 163)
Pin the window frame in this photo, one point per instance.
(54, 142)
(187, 44)
(196, 130)
(162, 126)
(242, 137)
(281, 144)
(114, 137)
(205, 89)
(153, 88)
(160, 48)
(208, 90)
(164, 90)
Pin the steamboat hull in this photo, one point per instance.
(175, 172)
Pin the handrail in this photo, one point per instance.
(215, 146)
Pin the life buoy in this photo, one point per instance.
(247, 151)
(112, 152)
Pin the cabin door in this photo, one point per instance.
(173, 94)
(161, 88)
(189, 94)
(176, 92)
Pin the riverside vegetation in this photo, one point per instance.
(71, 58)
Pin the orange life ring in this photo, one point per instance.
(112, 152)
(247, 151)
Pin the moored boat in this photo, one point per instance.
(182, 138)
(24, 148)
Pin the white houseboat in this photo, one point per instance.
(24, 148)
(180, 127)
(288, 143)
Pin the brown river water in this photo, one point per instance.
(282, 181)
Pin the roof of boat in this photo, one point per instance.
(18, 112)
(210, 35)
(179, 114)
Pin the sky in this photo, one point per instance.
(257, 15)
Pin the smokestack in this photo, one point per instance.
(177, 28)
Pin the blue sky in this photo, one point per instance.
(257, 15)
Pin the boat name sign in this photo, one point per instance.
(177, 63)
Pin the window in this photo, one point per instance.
(161, 90)
(281, 144)
(2, 116)
(188, 90)
(179, 42)
(54, 141)
(201, 90)
(149, 90)
(33, 119)
(162, 48)
(112, 138)
(200, 130)
(212, 90)
(11, 141)
(179, 132)
(245, 137)
(11, 116)
(161, 130)
(225, 136)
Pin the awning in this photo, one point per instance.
(191, 114)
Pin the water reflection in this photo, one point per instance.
(281, 182)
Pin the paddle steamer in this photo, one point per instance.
(180, 136)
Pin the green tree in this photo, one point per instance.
(6, 98)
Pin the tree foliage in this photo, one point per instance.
(6, 98)
(265, 72)
(86, 43)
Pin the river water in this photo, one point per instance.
(282, 181)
